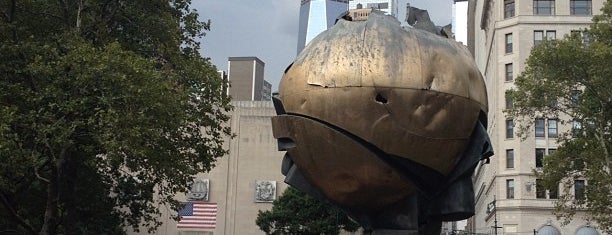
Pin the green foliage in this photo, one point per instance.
(103, 104)
(571, 79)
(298, 213)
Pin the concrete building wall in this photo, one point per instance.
(246, 78)
(253, 156)
(523, 213)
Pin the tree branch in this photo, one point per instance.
(40, 177)
(15, 215)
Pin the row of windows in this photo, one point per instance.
(543, 127)
(547, 7)
(538, 37)
(544, 193)
(539, 157)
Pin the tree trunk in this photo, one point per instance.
(51, 211)
(51, 219)
(69, 178)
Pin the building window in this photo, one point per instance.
(538, 36)
(551, 34)
(552, 128)
(576, 128)
(551, 151)
(510, 189)
(539, 157)
(539, 127)
(509, 129)
(508, 8)
(579, 189)
(553, 193)
(509, 158)
(509, 101)
(509, 76)
(508, 43)
(580, 7)
(543, 7)
(540, 190)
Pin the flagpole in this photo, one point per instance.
(495, 206)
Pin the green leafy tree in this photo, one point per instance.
(296, 212)
(107, 110)
(571, 79)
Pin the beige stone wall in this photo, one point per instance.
(253, 156)
(525, 212)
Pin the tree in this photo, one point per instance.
(296, 212)
(571, 79)
(107, 110)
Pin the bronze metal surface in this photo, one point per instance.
(345, 171)
(411, 93)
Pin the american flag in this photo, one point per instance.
(198, 215)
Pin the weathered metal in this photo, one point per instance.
(376, 117)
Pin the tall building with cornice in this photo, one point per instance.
(389, 7)
(317, 16)
(501, 34)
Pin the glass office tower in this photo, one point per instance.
(316, 16)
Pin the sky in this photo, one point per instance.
(268, 30)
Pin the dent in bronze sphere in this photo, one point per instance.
(379, 119)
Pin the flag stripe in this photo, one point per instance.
(198, 215)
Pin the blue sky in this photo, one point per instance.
(268, 30)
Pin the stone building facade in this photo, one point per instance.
(501, 34)
(243, 182)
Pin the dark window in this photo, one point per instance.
(543, 7)
(579, 189)
(509, 101)
(576, 128)
(551, 35)
(510, 189)
(540, 190)
(509, 129)
(539, 157)
(551, 151)
(509, 43)
(580, 7)
(539, 127)
(576, 97)
(584, 36)
(553, 193)
(509, 75)
(552, 128)
(586, 39)
(538, 36)
(509, 158)
(382, 5)
(508, 8)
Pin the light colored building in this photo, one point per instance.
(246, 78)
(501, 34)
(254, 160)
(317, 16)
(389, 7)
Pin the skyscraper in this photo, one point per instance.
(317, 16)
(389, 7)
(245, 75)
(509, 196)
